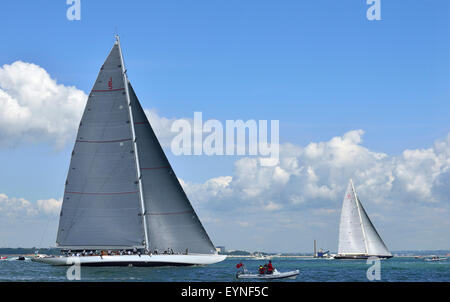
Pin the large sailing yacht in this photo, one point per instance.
(358, 238)
(123, 204)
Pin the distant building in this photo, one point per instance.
(220, 249)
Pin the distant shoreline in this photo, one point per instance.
(248, 256)
(29, 252)
(276, 256)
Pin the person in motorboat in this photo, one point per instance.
(261, 270)
(269, 268)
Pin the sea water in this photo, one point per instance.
(321, 270)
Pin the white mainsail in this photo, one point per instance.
(101, 204)
(357, 235)
(121, 191)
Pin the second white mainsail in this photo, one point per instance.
(358, 238)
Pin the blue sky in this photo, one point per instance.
(319, 67)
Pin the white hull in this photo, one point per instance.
(133, 260)
(262, 257)
(275, 275)
(361, 256)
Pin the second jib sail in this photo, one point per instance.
(358, 238)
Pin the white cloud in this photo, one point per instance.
(17, 207)
(13, 207)
(214, 187)
(35, 108)
(315, 176)
(49, 206)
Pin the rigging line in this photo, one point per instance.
(45, 231)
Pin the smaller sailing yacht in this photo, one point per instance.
(358, 238)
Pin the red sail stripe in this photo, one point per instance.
(100, 142)
(171, 213)
(106, 90)
(114, 193)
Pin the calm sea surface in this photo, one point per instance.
(392, 270)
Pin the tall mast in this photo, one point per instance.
(136, 154)
(360, 217)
